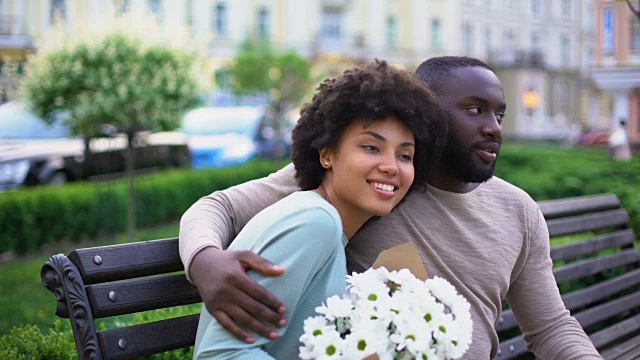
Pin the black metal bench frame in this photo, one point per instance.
(99, 282)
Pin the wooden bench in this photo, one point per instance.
(598, 275)
(105, 281)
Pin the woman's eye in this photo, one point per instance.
(370, 147)
(406, 157)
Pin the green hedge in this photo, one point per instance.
(550, 173)
(32, 217)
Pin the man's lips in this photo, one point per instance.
(487, 150)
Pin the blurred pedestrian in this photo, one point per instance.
(619, 148)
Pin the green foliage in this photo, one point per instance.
(257, 68)
(32, 217)
(117, 81)
(28, 342)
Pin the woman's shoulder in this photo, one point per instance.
(301, 207)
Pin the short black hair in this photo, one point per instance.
(370, 93)
(437, 70)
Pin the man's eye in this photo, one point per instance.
(500, 116)
(474, 110)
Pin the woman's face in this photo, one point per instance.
(371, 169)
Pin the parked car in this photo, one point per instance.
(229, 135)
(33, 153)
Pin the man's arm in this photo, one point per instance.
(547, 326)
(208, 226)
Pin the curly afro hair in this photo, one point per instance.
(373, 92)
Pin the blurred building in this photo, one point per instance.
(617, 63)
(541, 49)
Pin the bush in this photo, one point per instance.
(32, 217)
(28, 342)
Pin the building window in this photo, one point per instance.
(467, 39)
(565, 50)
(635, 33)
(436, 34)
(331, 23)
(122, 6)
(589, 19)
(58, 10)
(565, 8)
(608, 30)
(263, 24)
(155, 6)
(508, 41)
(392, 31)
(220, 19)
(510, 4)
(535, 41)
(487, 42)
(535, 7)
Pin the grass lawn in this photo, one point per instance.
(23, 298)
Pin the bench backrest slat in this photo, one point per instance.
(552, 209)
(150, 338)
(624, 328)
(620, 238)
(588, 222)
(608, 310)
(125, 297)
(126, 261)
(602, 290)
(595, 265)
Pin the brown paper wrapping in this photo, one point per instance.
(403, 256)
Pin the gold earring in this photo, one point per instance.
(327, 165)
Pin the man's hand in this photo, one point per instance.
(238, 302)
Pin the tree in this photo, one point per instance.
(117, 79)
(283, 77)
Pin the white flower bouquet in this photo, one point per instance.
(391, 315)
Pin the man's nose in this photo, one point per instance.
(492, 127)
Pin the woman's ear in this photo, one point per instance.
(326, 157)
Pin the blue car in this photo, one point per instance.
(229, 135)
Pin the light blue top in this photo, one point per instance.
(303, 233)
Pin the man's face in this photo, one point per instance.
(474, 102)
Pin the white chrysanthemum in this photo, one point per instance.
(405, 278)
(336, 307)
(361, 343)
(329, 345)
(316, 325)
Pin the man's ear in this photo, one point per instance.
(326, 158)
